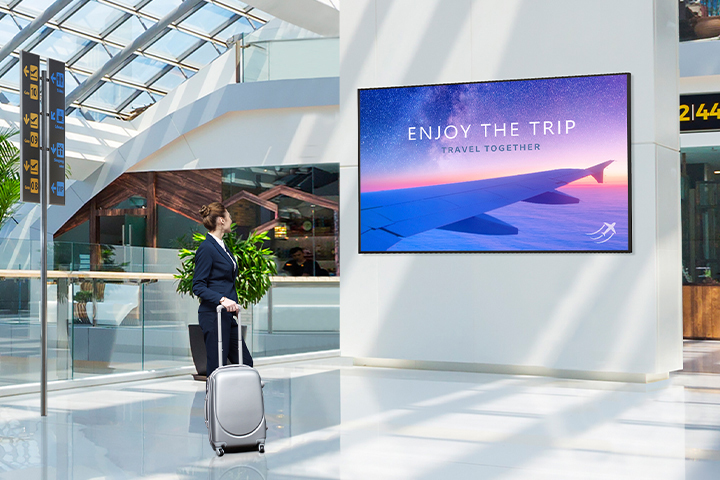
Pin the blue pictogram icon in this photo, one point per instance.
(58, 188)
(58, 149)
(58, 79)
(58, 116)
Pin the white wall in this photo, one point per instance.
(211, 78)
(287, 136)
(598, 315)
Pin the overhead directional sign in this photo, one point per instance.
(699, 112)
(56, 131)
(30, 126)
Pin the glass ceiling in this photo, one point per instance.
(86, 34)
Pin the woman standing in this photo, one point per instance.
(214, 284)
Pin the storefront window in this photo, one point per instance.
(175, 230)
(700, 224)
(298, 208)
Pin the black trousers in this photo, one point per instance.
(230, 338)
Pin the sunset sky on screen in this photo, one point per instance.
(395, 153)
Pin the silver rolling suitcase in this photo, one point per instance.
(234, 408)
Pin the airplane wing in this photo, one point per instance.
(388, 216)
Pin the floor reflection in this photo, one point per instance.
(330, 420)
(701, 356)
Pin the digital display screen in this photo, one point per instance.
(539, 165)
(699, 112)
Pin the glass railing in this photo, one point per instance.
(114, 309)
(299, 314)
(285, 59)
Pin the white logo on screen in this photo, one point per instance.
(604, 233)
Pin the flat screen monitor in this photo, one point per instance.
(537, 165)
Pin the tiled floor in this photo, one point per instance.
(330, 420)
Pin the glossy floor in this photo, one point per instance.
(330, 420)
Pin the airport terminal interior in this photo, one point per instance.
(509, 236)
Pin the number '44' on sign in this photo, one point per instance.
(703, 112)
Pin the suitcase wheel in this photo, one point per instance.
(220, 452)
(261, 448)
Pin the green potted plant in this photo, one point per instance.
(255, 267)
(9, 175)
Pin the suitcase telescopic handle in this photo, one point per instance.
(219, 330)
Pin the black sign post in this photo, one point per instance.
(43, 243)
(42, 153)
(30, 126)
(56, 131)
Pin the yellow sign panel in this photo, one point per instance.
(32, 119)
(33, 167)
(34, 185)
(34, 139)
(34, 92)
(31, 70)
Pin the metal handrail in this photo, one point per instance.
(88, 275)
(139, 276)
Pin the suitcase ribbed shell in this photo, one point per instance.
(238, 400)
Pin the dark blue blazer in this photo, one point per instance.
(214, 275)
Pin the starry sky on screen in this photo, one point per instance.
(426, 135)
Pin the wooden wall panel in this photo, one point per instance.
(124, 187)
(184, 192)
(701, 314)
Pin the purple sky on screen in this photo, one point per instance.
(587, 125)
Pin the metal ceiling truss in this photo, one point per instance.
(33, 27)
(147, 87)
(87, 73)
(244, 13)
(136, 11)
(128, 101)
(104, 111)
(146, 38)
(45, 25)
(96, 39)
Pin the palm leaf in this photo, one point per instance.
(9, 175)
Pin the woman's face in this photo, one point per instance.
(226, 226)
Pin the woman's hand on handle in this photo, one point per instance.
(229, 304)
